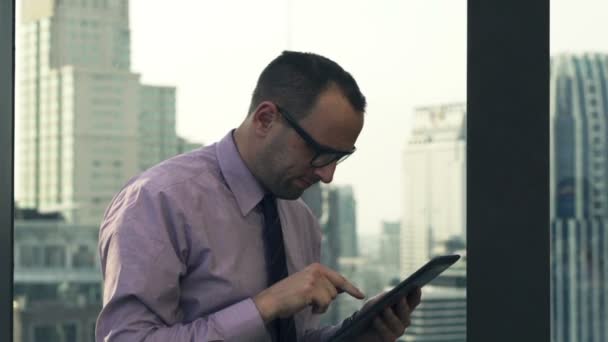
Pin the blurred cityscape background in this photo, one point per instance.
(87, 123)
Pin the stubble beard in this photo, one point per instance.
(270, 164)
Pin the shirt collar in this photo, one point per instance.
(243, 184)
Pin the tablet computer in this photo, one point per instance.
(357, 323)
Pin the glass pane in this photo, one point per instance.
(401, 198)
(108, 89)
(579, 171)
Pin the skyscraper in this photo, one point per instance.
(441, 316)
(342, 220)
(80, 108)
(579, 197)
(84, 120)
(313, 197)
(435, 183)
(57, 279)
(157, 132)
(579, 127)
(335, 207)
(390, 243)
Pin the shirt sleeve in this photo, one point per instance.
(141, 282)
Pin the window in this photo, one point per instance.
(83, 257)
(525, 14)
(31, 256)
(54, 256)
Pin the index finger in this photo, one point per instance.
(342, 284)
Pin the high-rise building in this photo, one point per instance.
(57, 279)
(84, 116)
(579, 127)
(390, 243)
(441, 316)
(435, 183)
(52, 252)
(66, 321)
(81, 106)
(313, 197)
(342, 220)
(334, 207)
(579, 280)
(579, 197)
(157, 132)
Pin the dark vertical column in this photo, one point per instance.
(7, 67)
(508, 286)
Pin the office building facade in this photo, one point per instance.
(434, 182)
(579, 197)
(157, 129)
(86, 120)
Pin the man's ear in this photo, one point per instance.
(264, 117)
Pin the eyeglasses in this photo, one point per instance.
(324, 155)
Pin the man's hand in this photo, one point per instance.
(392, 322)
(316, 285)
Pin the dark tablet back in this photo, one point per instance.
(361, 320)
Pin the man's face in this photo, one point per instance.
(286, 159)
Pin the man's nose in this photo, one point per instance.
(326, 173)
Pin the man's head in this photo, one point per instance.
(305, 115)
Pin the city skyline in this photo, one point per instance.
(415, 73)
(403, 37)
(79, 104)
(572, 249)
(87, 122)
(207, 119)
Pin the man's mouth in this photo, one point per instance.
(305, 183)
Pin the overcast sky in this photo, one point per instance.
(403, 54)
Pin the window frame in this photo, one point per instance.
(508, 235)
(504, 144)
(7, 80)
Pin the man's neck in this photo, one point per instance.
(240, 138)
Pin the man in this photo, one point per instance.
(214, 245)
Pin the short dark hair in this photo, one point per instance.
(294, 80)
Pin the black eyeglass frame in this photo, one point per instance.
(318, 148)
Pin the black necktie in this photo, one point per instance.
(276, 264)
